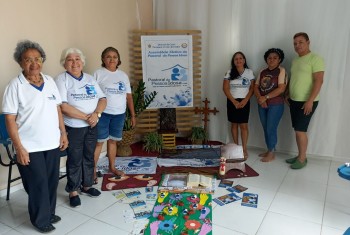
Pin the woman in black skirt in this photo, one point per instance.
(238, 88)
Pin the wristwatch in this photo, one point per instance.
(267, 97)
(98, 114)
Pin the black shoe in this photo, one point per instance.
(99, 174)
(45, 229)
(54, 219)
(92, 192)
(74, 201)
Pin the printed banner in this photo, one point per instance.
(130, 165)
(167, 69)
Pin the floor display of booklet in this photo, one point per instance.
(181, 213)
(187, 182)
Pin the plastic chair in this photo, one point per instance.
(6, 142)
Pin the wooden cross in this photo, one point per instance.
(205, 111)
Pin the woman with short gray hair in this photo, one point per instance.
(83, 102)
(31, 105)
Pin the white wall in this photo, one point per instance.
(253, 26)
(90, 25)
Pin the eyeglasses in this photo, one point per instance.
(36, 60)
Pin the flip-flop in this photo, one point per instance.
(96, 180)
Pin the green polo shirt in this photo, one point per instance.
(301, 81)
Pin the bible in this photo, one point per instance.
(196, 180)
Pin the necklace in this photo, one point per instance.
(34, 79)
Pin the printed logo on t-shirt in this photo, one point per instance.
(88, 92)
(117, 89)
(53, 97)
(241, 82)
(245, 81)
(266, 83)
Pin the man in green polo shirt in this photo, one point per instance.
(304, 87)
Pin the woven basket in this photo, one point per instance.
(124, 148)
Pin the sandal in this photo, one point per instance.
(96, 180)
(291, 160)
(298, 165)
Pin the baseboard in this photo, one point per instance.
(13, 189)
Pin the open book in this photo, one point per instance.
(196, 180)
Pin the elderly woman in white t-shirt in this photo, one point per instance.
(82, 104)
(31, 105)
(238, 88)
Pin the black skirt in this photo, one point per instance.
(238, 115)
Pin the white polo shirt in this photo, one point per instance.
(82, 94)
(239, 87)
(37, 116)
(115, 85)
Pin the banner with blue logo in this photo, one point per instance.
(168, 69)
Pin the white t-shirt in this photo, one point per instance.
(239, 87)
(82, 94)
(115, 85)
(37, 116)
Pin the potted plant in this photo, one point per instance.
(141, 102)
(153, 142)
(198, 135)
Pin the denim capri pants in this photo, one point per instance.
(110, 127)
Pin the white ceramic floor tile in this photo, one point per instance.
(238, 218)
(337, 216)
(92, 206)
(13, 215)
(304, 189)
(298, 207)
(277, 224)
(4, 228)
(113, 216)
(270, 177)
(331, 231)
(70, 220)
(224, 231)
(18, 197)
(3, 202)
(338, 196)
(314, 171)
(12, 232)
(95, 227)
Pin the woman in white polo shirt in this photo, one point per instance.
(238, 88)
(35, 125)
(82, 105)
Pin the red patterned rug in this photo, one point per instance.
(136, 181)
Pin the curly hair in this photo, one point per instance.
(23, 46)
(278, 51)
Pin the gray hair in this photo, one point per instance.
(71, 50)
(23, 46)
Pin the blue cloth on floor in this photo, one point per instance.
(344, 172)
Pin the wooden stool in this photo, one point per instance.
(169, 140)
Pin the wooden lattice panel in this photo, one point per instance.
(186, 118)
